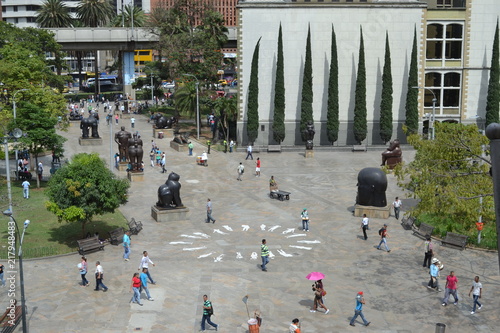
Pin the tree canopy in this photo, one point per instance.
(279, 94)
(360, 126)
(54, 14)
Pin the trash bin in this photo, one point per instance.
(253, 326)
(440, 328)
(160, 135)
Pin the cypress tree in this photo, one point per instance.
(360, 126)
(411, 106)
(386, 101)
(279, 94)
(253, 98)
(306, 114)
(332, 115)
(493, 99)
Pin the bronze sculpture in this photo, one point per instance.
(372, 184)
(135, 153)
(308, 135)
(161, 121)
(86, 124)
(169, 193)
(392, 156)
(121, 138)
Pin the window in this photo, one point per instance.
(446, 87)
(15, 9)
(444, 41)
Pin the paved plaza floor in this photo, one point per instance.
(222, 259)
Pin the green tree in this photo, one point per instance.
(493, 98)
(279, 94)
(306, 110)
(94, 13)
(84, 188)
(411, 120)
(360, 126)
(253, 97)
(386, 101)
(54, 14)
(185, 99)
(226, 109)
(332, 115)
(130, 16)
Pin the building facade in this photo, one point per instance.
(454, 41)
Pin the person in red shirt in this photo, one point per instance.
(135, 286)
(257, 169)
(451, 288)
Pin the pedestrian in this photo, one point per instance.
(208, 311)
(383, 238)
(158, 157)
(145, 261)
(273, 184)
(476, 289)
(39, 171)
(450, 288)
(2, 280)
(257, 168)
(364, 225)
(295, 326)
(305, 219)
(116, 118)
(135, 288)
(224, 143)
(83, 271)
(209, 143)
(26, 189)
(264, 254)
(434, 273)
(132, 122)
(126, 245)
(204, 158)
(318, 298)
(241, 170)
(209, 212)
(144, 284)
(231, 146)
(163, 162)
(99, 276)
(190, 146)
(358, 311)
(397, 207)
(152, 157)
(249, 152)
(153, 145)
(428, 252)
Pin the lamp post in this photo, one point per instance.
(197, 106)
(434, 100)
(17, 133)
(152, 90)
(20, 238)
(14, 110)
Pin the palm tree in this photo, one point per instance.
(226, 110)
(94, 13)
(130, 16)
(185, 99)
(54, 14)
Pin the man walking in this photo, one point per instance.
(476, 289)
(249, 152)
(26, 189)
(305, 219)
(163, 162)
(397, 207)
(207, 313)
(434, 272)
(132, 122)
(145, 261)
(264, 254)
(40, 171)
(126, 245)
(450, 287)
(295, 326)
(190, 146)
(257, 168)
(383, 238)
(144, 283)
(99, 276)
(364, 226)
(428, 252)
(241, 170)
(358, 311)
(209, 212)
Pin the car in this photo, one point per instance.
(223, 82)
(169, 85)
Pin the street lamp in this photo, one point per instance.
(17, 133)
(152, 90)
(197, 106)
(20, 256)
(434, 100)
(14, 109)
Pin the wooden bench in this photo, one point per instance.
(116, 236)
(9, 324)
(89, 244)
(423, 230)
(455, 240)
(407, 222)
(280, 195)
(135, 226)
(274, 148)
(359, 148)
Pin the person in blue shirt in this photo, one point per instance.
(126, 245)
(358, 311)
(144, 283)
(434, 272)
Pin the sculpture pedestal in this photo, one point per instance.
(178, 146)
(122, 166)
(309, 153)
(169, 215)
(167, 132)
(135, 176)
(372, 212)
(90, 141)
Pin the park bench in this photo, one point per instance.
(274, 148)
(24, 175)
(7, 324)
(407, 222)
(89, 244)
(135, 226)
(455, 240)
(116, 236)
(423, 230)
(356, 148)
(280, 195)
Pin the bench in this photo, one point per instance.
(24, 175)
(407, 222)
(455, 240)
(280, 195)
(116, 236)
(423, 230)
(135, 226)
(359, 148)
(8, 324)
(274, 148)
(89, 244)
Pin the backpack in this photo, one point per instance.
(381, 231)
(211, 310)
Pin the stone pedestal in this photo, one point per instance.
(90, 141)
(167, 132)
(169, 215)
(135, 176)
(309, 153)
(178, 146)
(373, 212)
(122, 166)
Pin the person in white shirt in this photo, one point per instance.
(145, 261)
(476, 290)
(204, 158)
(99, 275)
(26, 189)
(397, 207)
(364, 225)
(241, 169)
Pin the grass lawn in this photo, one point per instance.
(46, 236)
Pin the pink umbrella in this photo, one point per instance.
(315, 276)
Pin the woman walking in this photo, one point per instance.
(83, 272)
(135, 287)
